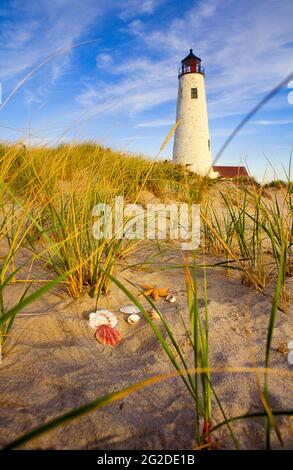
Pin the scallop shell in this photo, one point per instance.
(108, 336)
(102, 317)
(171, 298)
(132, 319)
(129, 309)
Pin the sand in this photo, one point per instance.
(54, 364)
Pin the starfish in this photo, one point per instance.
(155, 292)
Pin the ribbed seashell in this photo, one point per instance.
(102, 317)
(171, 298)
(132, 319)
(129, 309)
(108, 336)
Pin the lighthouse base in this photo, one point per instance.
(201, 171)
(213, 174)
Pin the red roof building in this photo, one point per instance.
(230, 171)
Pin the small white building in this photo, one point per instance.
(192, 146)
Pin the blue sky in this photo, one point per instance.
(120, 89)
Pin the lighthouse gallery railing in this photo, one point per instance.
(190, 69)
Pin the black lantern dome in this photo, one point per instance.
(190, 57)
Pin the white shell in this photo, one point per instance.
(290, 345)
(171, 298)
(129, 309)
(134, 318)
(153, 314)
(102, 317)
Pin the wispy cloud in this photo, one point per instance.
(130, 77)
(89, 97)
(155, 123)
(103, 60)
(32, 31)
(244, 58)
(139, 84)
(274, 122)
(134, 8)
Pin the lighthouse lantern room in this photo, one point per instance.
(191, 64)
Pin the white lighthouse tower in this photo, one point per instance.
(192, 141)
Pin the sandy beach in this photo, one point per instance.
(55, 363)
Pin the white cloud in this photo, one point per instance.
(128, 97)
(104, 60)
(40, 29)
(244, 46)
(240, 44)
(138, 85)
(274, 122)
(135, 27)
(89, 97)
(156, 123)
(134, 8)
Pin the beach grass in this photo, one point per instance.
(47, 198)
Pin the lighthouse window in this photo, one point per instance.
(193, 93)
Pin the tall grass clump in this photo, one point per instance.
(15, 225)
(269, 419)
(128, 173)
(65, 226)
(68, 182)
(252, 228)
(194, 373)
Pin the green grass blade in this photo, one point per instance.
(31, 298)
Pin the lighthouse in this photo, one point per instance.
(192, 146)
